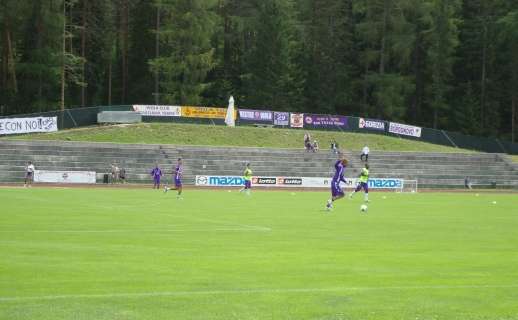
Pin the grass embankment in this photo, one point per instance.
(189, 134)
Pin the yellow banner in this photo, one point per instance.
(204, 112)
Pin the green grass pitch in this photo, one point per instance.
(142, 254)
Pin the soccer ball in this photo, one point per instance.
(363, 208)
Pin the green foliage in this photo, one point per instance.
(187, 54)
(405, 60)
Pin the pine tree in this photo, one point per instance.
(186, 52)
(443, 39)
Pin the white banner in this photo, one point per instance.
(26, 125)
(404, 129)
(371, 124)
(296, 120)
(64, 176)
(158, 111)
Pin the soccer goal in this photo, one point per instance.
(408, 186)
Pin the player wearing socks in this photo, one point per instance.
(363, 183)
(156, 173)
(178, 174)
(247, 176)
(336, 190)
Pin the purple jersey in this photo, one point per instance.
(156, 173)
(339, 171)
(178, 171)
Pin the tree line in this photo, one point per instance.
(446, 64)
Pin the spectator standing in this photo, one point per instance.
(365, 153)
(307, 141)
(122, 175)
(29, 174)
(117, 172)
(113, 173)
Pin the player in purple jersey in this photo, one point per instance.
(156, 173)
(336, 190)
(178, 174)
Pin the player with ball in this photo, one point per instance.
(336, 191)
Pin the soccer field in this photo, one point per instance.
(142, 254)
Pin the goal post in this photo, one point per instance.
(408, 186)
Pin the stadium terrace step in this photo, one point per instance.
(434, 170)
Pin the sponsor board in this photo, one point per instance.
(371, 124)
(27, 125)
(301, 182)
(385, 183)
(323, 121)
(204, 112)
(281, 118)
(268, 181)
(404, 129)
(64, 176)
(281, 181)
(256, 115)
(296, 120)
(158, 111)
(219, 181)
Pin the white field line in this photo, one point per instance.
(248, 291)
(243, 229)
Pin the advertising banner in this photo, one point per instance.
(205, 112)
(385, 183)
(256, 115)
(371, 124)
(281, 118)
(219, 181)
(404, 129)
(271, 181)
(296, 120)
(158, 111)
(64, 176)
(323, 121)
(27, 125)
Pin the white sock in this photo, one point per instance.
(366, 197)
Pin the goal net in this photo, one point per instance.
(408, 186)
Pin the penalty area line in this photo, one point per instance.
(246, 291)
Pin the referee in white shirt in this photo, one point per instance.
(365, 153)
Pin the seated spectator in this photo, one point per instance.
(334, 146)
(365, 153)
(467, 183)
